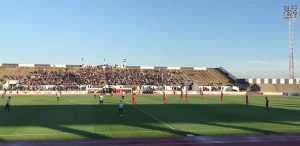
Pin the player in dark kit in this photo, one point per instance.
(201, 93)
(165, 98)
(247, 100)
(3, 94)
(222, 96)
(181, 94)
(133, 98)
(174, 94)
(267, 104)
(186, 97)
(95, 94)
(7, 105)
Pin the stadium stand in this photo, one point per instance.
(35, 75)
(279, 87)
(70, 75)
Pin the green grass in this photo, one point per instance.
(80, 117)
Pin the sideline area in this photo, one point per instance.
(265, 140)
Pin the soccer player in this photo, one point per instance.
(111, 94)
(7, 105)
(186, 97)
(95, 94)
(121, 108)
(181, 94)
(101, 97)
(165, 98)
(222, 96)
(123, 95)
(133, 98)
(57, 95)
(247, 102)
(201, 93)
(3, 94)
(267, 104)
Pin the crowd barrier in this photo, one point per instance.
(45, 92)
(204, 92)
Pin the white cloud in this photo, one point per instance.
(260, 62)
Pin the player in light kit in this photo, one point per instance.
(58, 95)
(101, 98)
(123, 95)
(121, 108)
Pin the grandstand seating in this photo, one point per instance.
(279, 87)
(129, 76)
(268, 88)
(211, 76)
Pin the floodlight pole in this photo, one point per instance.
(290, 14)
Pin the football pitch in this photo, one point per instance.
(81, 117)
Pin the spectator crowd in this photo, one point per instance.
(97, 77)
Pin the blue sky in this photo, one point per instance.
(247, 37)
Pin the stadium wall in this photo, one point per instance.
(25, 65)
(41, 65)
(9, 65)
(45, 92)
(71, 66)
(147, 67)
(173, 68)
(273, 81)
(200, 68)
(129, 67)
(204, 92)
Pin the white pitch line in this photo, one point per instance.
(62, 133)
(137, 109)
(148, 114)
(141, 131)
(74, 102)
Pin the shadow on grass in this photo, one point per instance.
(82, 133)
(287, 123)
(243, 128)
(55, 116)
